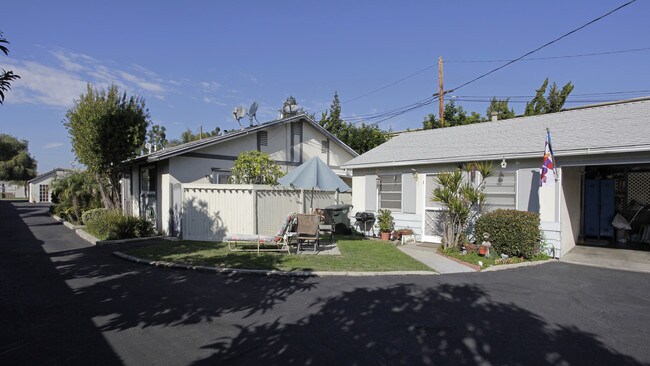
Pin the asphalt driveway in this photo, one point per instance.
(63, 301)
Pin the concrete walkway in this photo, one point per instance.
(615, 258)
(427, 254)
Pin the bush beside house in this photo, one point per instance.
(113, 225)
(511, 232)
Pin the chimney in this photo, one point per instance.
(494, 115)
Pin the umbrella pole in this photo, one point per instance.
(311, 203)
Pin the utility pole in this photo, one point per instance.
(441, 94)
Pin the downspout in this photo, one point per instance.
(255, 211)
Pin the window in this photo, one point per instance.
(220, 176)
(44, 193)
(390, 192)
(262, 139)
(325, 146)
(296, 140)
(148, 179)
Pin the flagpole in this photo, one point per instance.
(550, 147)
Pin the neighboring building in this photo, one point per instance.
(39, 187)
(602, 158)
(151, 186)
(13, 190)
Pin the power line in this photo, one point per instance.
(525, 101)
(542, 46)
(388, 85)
(553, 57)
(383, 116)
(572, 94)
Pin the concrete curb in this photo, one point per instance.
(78, 229)
(264, 272)
(94, 241)
(71, 226)
(500, 267)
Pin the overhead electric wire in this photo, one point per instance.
(388, 85)
(383, 116)
(553, 57)
(525, 101)
(541, 47)
(644, 92)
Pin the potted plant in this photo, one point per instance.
(385, 220)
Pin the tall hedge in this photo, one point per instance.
(512, 232)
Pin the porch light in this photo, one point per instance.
(504, 164)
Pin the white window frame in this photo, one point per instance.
(387, 180)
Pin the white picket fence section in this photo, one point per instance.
(212, 211)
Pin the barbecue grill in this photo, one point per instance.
(365, 221)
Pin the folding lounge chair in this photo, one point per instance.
(263, 243)
(307, 231)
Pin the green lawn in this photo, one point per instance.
(356, 255)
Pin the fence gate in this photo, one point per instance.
(432, 226)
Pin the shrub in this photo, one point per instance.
(512, 232)
(113, 225)
(90, 215)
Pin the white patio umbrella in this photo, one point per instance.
(314, 174)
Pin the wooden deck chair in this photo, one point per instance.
(307, 230)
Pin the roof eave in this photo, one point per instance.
(518, 155)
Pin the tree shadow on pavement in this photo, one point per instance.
(407, 325)
(41, 321)
(136, 295)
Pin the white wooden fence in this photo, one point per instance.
(212, 211)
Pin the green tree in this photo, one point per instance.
(157, 137)
(454, 116)
(290, 107)
(462, 198)
(500, 106)
(430, 122)
(551, 103)
(331, 120)
(6, 76)
(189, 136)
(360, 138)
(255, 167)
(16, 164)
(106, 128)
(76, 193)
(365, 137)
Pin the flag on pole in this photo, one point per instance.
(548, 164)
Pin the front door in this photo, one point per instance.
(432, 226)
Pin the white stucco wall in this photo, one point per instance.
(34, 190)
(15, 190)
(570, 207)
(193, 167)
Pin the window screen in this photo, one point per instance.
(390, 192)
(325, 146)
(262, 139)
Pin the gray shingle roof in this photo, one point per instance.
(620, 126)
(208, 141)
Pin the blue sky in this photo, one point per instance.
(194, 61)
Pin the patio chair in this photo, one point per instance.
(264, 243)
(307, 231)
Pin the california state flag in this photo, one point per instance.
(548, 164)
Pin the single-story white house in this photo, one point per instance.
(602, 155)
(39, 187)
(151, 184)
